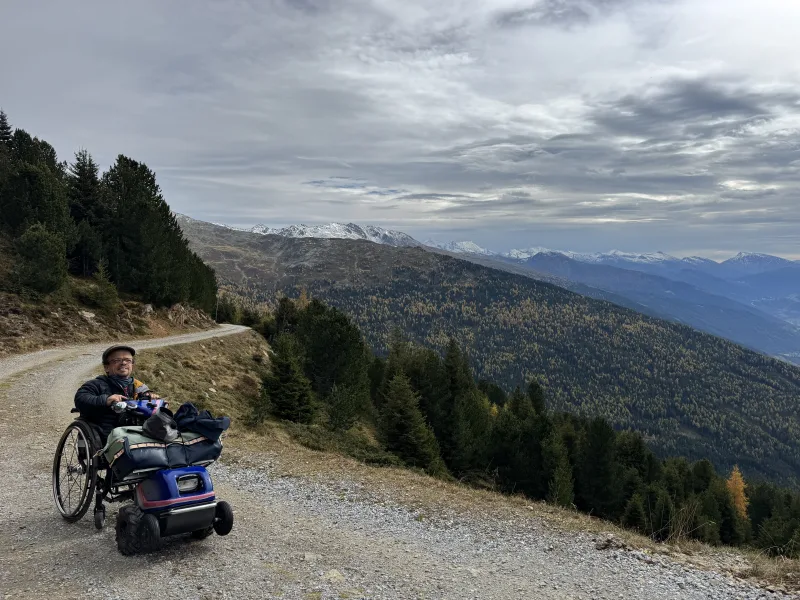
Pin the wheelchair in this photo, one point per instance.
(81, 475)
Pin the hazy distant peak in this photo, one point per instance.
(463, 247)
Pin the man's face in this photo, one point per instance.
(120, 363)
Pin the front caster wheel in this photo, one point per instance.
(223, 519)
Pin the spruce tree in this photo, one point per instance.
(661, 520)
(286, 388)
(634, 516)
(84, 189)
(343, 408)
(598, 489)
(556, 463)
(405, 431)
(41, 263)
(6, 133)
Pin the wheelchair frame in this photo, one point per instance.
(99, 481)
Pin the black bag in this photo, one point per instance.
(161, 426)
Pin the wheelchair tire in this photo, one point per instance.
(75, 470)
(223, 521)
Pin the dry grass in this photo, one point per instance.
(186, 372)
(222, 374)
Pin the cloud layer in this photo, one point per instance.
(584, 124)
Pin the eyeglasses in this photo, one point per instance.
(124, 361)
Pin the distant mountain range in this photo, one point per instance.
(348, 231)
(750, 298)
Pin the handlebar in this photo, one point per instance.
(145, 406)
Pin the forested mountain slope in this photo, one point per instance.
(692, 394)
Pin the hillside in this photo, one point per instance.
(691, 393)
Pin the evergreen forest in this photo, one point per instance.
(430, 413)
(59, 218)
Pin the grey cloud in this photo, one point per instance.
(564, 13)
(418, 115)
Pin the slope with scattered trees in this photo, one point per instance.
(427, 411)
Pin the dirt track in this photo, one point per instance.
(293, 537)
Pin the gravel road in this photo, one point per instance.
(294, 537)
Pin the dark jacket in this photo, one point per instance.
(91, 398)
(189, 418)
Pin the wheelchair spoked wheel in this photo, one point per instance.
(75, 471)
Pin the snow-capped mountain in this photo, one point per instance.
(752, 263)
(348, 231)
(615, 256)
(464, 247)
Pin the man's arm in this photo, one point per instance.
(91, 396)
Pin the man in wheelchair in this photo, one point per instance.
(95, 398)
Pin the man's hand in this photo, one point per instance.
(114, 398)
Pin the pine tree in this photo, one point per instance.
(560, 489)
(405, 431)
(6, 132)
(343, 408)
(41, 263)
(736, 486)
(661, 520)
(106, 296)
(597, 481)
(84, 189)
(286, 388)
(470, 431)
(634, 516)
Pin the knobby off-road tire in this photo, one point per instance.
(137, 532)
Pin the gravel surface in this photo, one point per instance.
(294, 537)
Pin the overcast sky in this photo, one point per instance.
(638, 125)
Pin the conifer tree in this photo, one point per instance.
(286, 388)
(634, 516)
(84, 189)
(6, 132)
(736, 486)
(662, 517)
(560, 489)
(405, 431)
(41, 265)
(343, 408)
(598, 490)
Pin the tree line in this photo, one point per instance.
(115, 227)
(431, 413)
(692, 393)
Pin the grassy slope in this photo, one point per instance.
(187, 372)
